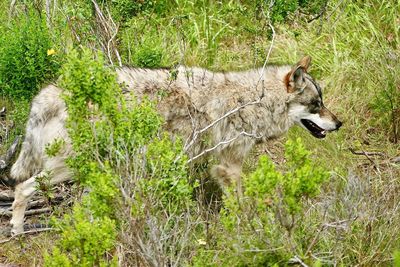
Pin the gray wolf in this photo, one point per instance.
(235, 110)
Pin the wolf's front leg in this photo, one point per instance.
(226, 174)
(23, 192)
(231, 160)
(229, 171)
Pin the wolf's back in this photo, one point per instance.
(47, 110)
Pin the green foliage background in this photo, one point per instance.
(316, 202)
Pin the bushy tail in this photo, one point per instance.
(30, 161)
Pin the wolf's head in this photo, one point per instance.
(306, 107)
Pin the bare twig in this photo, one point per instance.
(225, 142)
(366, 153)
(272, 41)
(368, 157)
(26, 233)
(12, 7)
(229, 113)
(48, 13)
(109, 32)
(297, 260)
(395, 160)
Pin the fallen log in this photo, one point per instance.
(7, 196)
(8, 212)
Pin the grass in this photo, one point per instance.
(355, 52)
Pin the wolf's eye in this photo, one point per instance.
(315, 106)
(317, 103)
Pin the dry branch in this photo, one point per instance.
(7, 196)
(365, 153)
(196, 134)
(225, 142)
(395, 160)
(26, 233)
(108, 31)
(297, 260)
(5, 204)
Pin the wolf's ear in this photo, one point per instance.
(304, 63)
(294, 80)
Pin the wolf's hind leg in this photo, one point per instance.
(23, 192)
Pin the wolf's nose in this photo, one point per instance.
(338, 125)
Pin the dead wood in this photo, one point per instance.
(6, 196)
(365, 153)
(35, 231)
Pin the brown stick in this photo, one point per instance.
(37, 203)
(368, 157)
(396, 160)
(365, 153)
(7, 196)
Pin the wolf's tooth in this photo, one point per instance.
(323, 132)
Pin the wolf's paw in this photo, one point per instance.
(16, 228)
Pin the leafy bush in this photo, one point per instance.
(396, 257)
(85, 238)
(90, 231)
(26, 57)
(268, 215)
(124, 141)
(149, 57)
(126, 9)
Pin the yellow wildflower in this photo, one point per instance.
(51, 52)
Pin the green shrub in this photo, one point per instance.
(301, 179)
(123, 10)
(147, 57)
(268, 215)
(89, 233)
(396, 258)
(124, 141)
(26, 57)
(86, 239)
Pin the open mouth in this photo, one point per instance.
(314, 129)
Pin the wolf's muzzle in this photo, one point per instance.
(338, 125)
